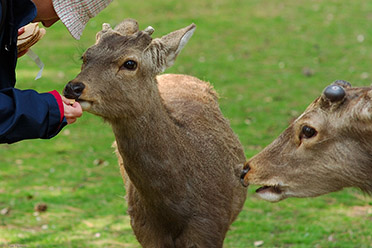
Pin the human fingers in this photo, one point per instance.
(21, 30)
(72, 112)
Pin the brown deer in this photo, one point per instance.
(327, 148)
(179, 158)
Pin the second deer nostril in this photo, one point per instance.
(245, 170)
(244, 173)
(73, 90)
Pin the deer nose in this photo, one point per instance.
(245, 170)
(73, 90)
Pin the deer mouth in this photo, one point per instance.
(85, 105)
(271, 193)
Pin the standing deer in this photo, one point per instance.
(179, 158)
(327, 148)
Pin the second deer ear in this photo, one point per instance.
(164, 50)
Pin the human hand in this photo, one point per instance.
(21, 31)
(72, 110)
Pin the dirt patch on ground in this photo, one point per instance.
(360, 211)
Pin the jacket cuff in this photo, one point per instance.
(58, 98)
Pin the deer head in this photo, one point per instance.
(117, 77)
(327, 148)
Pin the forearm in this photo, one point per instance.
(28, 115)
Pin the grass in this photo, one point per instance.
(267, 59)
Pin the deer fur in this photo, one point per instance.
(178, 156)
(328, 148)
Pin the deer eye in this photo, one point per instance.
(308, 132)
(129, 65)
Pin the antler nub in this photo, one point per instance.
(149, 30)
(334, 93)
(105, 26)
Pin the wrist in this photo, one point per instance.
(58, 98)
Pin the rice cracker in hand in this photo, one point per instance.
(29, 37)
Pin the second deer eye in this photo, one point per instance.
(129, 65)
(308, 132)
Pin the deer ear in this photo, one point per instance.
(177, 40)
(342, 83)
(164, 51)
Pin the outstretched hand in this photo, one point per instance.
(72, 110)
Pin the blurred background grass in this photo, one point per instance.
(267, 60)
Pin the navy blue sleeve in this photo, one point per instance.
(26, 114)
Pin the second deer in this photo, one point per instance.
(329, 147)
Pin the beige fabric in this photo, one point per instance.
(75, 14)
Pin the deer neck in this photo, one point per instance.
(365, 165)
(147, 144)
(357, 160)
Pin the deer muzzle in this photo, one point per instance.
(73, 90)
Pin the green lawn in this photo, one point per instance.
(267, 59)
